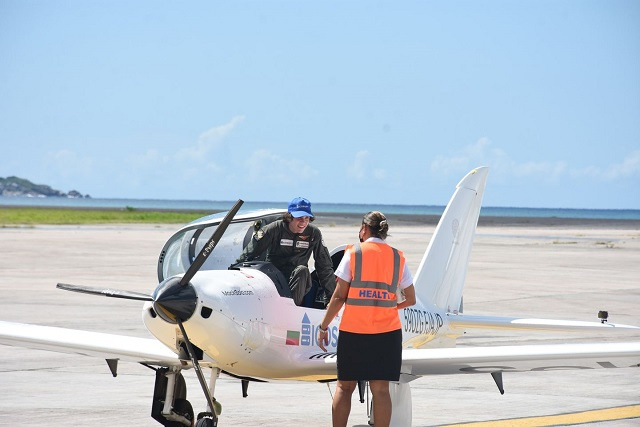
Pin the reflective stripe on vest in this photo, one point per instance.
(373, 294)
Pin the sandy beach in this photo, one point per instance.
(547, 268)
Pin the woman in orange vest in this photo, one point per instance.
(370, 276)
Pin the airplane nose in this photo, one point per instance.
(173, 301)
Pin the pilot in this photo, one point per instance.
(289, 243)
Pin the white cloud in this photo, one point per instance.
(207, 142)
(380, 174)
(187, 161)
(503, 167)
(182, 168)
(450, 165)
(361, 169)
(473, 155)
(628, 167)
(266, 167)
(359, 166)
(216, 134)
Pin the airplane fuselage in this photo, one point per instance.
(248, 329)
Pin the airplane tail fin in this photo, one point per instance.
(440, 277)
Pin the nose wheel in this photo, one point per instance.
(206, 421)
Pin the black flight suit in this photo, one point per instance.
(290, 252)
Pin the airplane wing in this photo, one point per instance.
(516, 323)
(498, 359)
(415, 362)
(457, 360)
(107, 346)
(460, 360)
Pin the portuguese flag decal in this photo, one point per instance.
(293, 338)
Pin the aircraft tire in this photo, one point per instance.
(204, 422)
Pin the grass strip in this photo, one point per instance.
(72, 216)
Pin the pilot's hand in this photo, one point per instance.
(323, 338)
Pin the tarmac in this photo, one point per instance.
(562, 272)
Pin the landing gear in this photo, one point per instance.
(170, 405)
(210, 419)
(183, 408)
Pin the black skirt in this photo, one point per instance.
(369, 356)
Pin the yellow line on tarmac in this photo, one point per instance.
(609, 414)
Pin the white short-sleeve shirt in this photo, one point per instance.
(344, 269)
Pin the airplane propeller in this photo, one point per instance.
(175, 300)
(108, 292)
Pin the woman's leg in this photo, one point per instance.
(381, 402)
(341, 406)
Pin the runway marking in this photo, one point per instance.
(609, 414)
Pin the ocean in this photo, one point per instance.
(336, 208)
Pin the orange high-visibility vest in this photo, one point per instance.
(371, 306)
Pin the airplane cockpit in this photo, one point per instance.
(182, 248)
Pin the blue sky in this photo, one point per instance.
(350, 101)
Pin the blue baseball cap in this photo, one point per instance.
(300, 207)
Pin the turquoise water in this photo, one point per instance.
(216, 206)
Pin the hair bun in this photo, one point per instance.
(377, 223)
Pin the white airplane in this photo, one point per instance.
(241, 321)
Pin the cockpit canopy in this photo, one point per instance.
(182, 248)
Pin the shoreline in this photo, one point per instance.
(353, 219)
(487, 221)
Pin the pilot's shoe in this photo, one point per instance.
(322, 299)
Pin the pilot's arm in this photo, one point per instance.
(324, 266)
(259, 244)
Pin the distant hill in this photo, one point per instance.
(20, 187)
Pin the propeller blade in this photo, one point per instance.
(213, 403)
(106, 292)
(211, 244)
